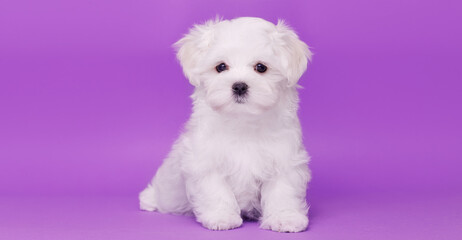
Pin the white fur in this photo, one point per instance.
(238, 159)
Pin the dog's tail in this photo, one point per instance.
(148, 199)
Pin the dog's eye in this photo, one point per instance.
(260, 68)
(221, 67)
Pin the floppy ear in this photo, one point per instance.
(295, 53)
(192, 47)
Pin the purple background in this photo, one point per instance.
(92, 97)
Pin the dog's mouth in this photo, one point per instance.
(240, 99)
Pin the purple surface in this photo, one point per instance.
(91, 99)
(360, 216)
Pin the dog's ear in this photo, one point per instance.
(295, 53)
(192, 47)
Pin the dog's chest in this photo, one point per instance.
(245, 156)
(249, 163)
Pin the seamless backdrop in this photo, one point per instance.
(92, 97)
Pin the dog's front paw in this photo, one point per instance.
(221, 221)
(285, 222)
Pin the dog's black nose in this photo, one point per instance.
(240, 88)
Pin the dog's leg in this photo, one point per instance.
(214, 204)
(148, 199)
(166, 192)
(283, 201)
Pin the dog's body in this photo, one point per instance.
(241, 153)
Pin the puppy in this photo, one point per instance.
(241, 154)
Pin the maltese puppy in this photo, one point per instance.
(241, 154)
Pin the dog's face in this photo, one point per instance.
(243, 65)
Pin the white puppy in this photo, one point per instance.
(241, 154)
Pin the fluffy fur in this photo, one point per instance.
(238, 158)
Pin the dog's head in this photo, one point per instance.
(244, 64)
